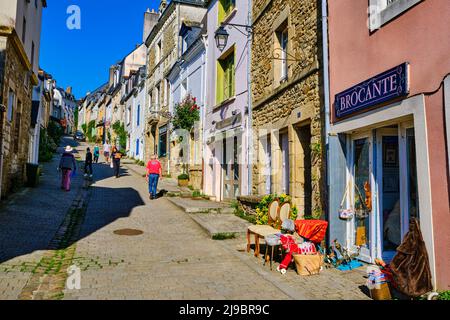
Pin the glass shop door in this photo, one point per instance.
(361, 229)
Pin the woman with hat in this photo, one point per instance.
(68, 166)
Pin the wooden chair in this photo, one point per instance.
(284, 212)
(260, 231)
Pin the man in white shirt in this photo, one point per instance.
(106, 151)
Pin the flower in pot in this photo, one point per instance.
(197, 195)
(183, 180)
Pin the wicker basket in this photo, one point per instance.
(308, 264)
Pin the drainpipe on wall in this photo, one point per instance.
(249, 104)
(2, 111)
(326, 89)
(205, 74)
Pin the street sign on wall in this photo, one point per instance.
(384, 87)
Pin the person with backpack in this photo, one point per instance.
(96, 153)
(68, 166)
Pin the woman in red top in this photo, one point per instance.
(154, 173)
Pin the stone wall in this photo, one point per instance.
(294, 105)
(14, 161)
(249, 203)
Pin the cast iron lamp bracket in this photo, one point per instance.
(221, 37)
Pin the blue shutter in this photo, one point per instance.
(137, 147)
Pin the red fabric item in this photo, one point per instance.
(153, 167)
(313, 230)
(290, 247)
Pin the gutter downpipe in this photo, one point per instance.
(203, 118)
(250, 106)
(326, 88)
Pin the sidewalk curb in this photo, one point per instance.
(269, 276)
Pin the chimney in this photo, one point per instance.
(111, 76)
(69, 90)
(150, 21)
(162, 6)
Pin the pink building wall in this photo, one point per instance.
(420, 36)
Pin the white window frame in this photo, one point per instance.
(284, 43)
(11, 105)
(381, 12)
(158, 98)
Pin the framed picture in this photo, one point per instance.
(390, 156)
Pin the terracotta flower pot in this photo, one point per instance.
(183, 182)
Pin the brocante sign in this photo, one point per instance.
(384, 87)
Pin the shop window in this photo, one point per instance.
(225, 9)
(413, 193)
(162, 145)
(225, 77)
(361, 183)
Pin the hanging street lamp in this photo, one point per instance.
(221, 37)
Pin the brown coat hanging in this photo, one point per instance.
(410, 266)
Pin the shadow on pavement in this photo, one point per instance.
(31, 220)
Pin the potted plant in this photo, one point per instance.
(183, 180)
(197, 195)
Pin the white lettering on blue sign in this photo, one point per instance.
(386, 86)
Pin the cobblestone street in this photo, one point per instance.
(172, 259)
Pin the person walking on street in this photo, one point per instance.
(154, 173)
(106, 151)
(96, 153)
(88, 163)
(68, 166)
(116, 155)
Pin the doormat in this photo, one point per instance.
(128, 232)
(350, 266)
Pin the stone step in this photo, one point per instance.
(221, 224)
(201, 206)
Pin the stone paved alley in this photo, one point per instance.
(49, 230)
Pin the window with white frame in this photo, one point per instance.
(183, 88)
(281, 49)
(284, 48)
(11, 103)
(157, 97)
(383, 11)
(158, 51)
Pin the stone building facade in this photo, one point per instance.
(163, 51)
(15, 121)
(287, 110)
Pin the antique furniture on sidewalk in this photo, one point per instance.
(260, 231)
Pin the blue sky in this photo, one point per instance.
(81, 58)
